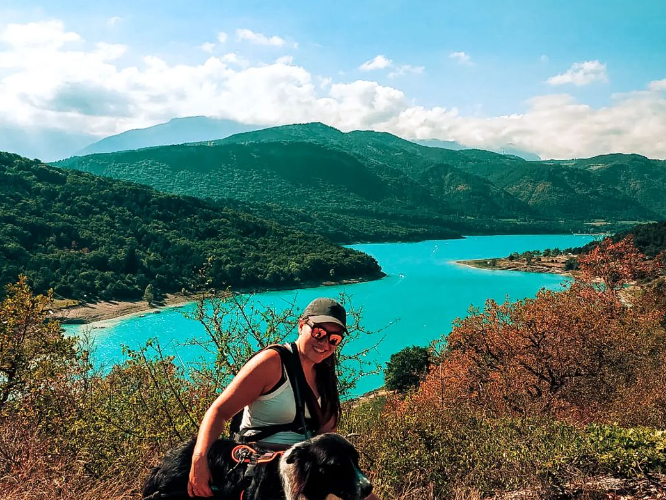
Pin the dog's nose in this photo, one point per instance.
(366, 488)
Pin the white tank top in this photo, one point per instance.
(277, 407)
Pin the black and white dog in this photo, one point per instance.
(322, 468)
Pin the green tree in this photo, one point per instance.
(407, 368)
(149, 294)
(33, 351)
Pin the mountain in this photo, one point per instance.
(92, 237)
(566, 192)
(509, 149)
(366, 186)
(436, 143)
(636, 176)
(552, 189)
(175, 131)
(374, 186)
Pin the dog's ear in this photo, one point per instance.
(300, 455)
(302, 459)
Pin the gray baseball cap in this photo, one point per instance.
(324, 310)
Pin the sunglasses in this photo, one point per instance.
(319, 332)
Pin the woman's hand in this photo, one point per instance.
(199, 484)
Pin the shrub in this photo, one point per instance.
(406, 368)
(628, 452)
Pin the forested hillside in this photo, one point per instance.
(604, 187)
(87, 237)
(371, 186)
(648, 238)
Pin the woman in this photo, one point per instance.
(263, 389)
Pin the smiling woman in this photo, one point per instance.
(286, 394)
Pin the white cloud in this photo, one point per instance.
(258, 38)
(462, 58)
(90, 89)
(405, 69)
(114, 21)
(235, 59)
(581, 73)
(555, 126)
(222, 37)
(207, 47)
(38, 35)
(379, 62)
(658, 85)
(284, 60)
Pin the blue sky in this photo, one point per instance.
(560, 78)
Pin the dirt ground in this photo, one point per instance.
(104, 310)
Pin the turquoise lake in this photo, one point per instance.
(425, 290)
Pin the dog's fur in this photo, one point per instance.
(322, 468)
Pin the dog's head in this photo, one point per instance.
(323, 467)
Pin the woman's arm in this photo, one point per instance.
(258, 376)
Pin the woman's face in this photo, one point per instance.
(317, 350)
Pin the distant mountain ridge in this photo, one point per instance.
(202, 128)
(175, 131)
(509, 149)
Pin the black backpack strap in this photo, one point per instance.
(303, 393)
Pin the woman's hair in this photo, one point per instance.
(327, 386)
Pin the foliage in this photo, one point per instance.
(617, 263)
(90, 237)
(628, 452)
(149, 294)
(590, 352)
(406, 368)
(648, 238)
(33, 352)
(419, 448)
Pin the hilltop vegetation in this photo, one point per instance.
(89, 237)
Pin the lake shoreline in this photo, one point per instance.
(555, 265)
(96, 312)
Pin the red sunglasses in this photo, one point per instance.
(319, 332)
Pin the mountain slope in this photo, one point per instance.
(636, 176)
(564, 192)
(320, 177)
(89, 236)
(390, 187)
(548, 188)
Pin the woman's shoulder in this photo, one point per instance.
(268, 359)
(265, 368)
